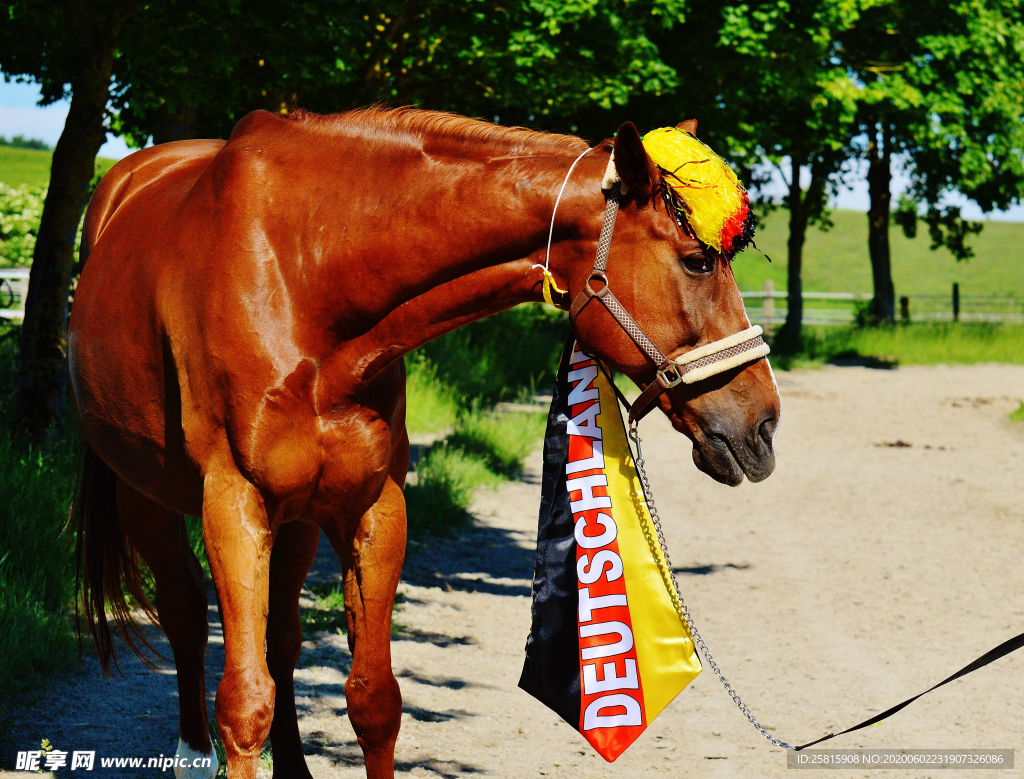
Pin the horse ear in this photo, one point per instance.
(689, 126)
(638, 172)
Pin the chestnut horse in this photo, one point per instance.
(236, 347)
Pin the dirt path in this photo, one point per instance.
(860, 573)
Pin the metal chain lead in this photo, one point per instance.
(677, 597)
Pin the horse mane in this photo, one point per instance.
(405, 125)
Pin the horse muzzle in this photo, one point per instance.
(728, 456)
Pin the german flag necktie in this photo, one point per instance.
(608, 650)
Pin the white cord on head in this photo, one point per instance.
(551, 232)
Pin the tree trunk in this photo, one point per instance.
(797, 202)
(42, 375)
(879, 179)
(791, 330)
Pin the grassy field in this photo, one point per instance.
(837, 260)
(915, 344)
(32, 167)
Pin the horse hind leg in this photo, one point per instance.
(293, 553)
(160, 536)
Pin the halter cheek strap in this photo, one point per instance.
(693, 366)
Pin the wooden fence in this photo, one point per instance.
(13, 291)
(839, 308)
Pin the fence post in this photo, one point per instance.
(768, 305)
(956, 302)
(905, 309)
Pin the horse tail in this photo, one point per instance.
(107, 572)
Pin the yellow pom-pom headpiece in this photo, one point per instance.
(703, 189)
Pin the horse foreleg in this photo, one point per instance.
(372, 557)
(238, 544)
(160, 537)
(294, 550)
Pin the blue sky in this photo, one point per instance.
(20, 115)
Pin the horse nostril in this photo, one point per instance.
(767, 430)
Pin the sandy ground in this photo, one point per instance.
(860, 573)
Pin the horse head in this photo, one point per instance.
(683, 295)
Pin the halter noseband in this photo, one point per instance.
(708, 360)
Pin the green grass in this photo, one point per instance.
(32, 167)
(1018, 415)
(503, 440)
(431, 405)
(24, 166)
(915, 344)
(483, 450)
(837, 261)
(452, 382)
(36, 559)
(327, 612)
(194, 528)
(504, 357)
(446, 478)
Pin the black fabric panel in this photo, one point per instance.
(551, 673)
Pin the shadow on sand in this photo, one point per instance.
(483, 559)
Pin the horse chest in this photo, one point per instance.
(315, 466)
(357, 454)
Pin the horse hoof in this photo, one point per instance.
(192, 763)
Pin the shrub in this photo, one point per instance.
(438, 502)
(503, 356)
(503, 440)
(431, 405)
(21, 142)
(20, 210)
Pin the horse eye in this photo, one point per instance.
(699, 263)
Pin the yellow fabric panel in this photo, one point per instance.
(666, 657)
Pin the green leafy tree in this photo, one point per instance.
(547, 64)
(784, 97)
(69, 47)
(942, 85)
(170, 69)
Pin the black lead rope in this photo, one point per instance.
(615, 387)
(1005, 648)
(1000, 651)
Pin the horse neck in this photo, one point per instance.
(498, 233)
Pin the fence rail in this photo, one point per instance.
(912, 308)
(13, 291)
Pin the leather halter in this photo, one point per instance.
(700, 363)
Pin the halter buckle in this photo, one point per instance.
(669, 375)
